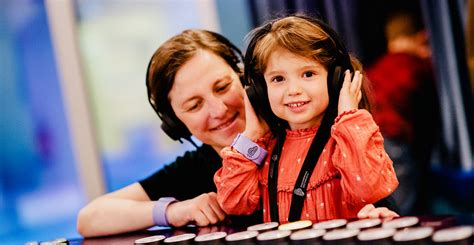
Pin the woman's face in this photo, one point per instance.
(207, 96)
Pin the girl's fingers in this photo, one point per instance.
(360, 81)
(347, 80)
(364, 212)
(355, 82)
(389, 214)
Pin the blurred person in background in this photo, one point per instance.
(407, 107)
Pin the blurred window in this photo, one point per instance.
(40, 193)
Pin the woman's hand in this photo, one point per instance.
(370, 211)
(202, 210)
(255, 127)
(351, 93)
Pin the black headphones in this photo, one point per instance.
(170, 123)
(257, 88)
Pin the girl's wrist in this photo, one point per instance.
(341, 111)
(252, 135)
(346, 112)
(249, 148)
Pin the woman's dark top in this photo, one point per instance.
(189, 176)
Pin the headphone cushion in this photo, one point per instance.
(175, 129)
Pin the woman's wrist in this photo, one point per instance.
(159, 210)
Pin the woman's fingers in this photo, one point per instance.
(216, 208)
(209, 211)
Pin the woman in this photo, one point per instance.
(194, 85)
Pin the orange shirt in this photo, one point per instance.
(352, 171)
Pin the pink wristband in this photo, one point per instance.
(159, 210)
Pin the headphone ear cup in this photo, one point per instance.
(242, 81)
(251, 94)
(337, 79)
(175, 129)
(258, 97)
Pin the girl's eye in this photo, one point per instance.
(277, 79)
(308, 74)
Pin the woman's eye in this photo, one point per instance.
(277, 79)
(308, 74)
(222, 88)
(193, 107)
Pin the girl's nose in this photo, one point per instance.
(293, 88)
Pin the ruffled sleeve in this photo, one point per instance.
(367, 174)
(237, 181)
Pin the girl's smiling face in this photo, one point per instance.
(297, 88)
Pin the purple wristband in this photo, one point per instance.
(249, 149)
(159, 210)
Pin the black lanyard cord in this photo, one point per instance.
(273, 175)
(301, 184)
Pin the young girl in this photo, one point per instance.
(326, 157)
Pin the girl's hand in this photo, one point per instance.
(255, 127)
(351, 93)
(370, 211)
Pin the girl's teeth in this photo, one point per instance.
(296, 104)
